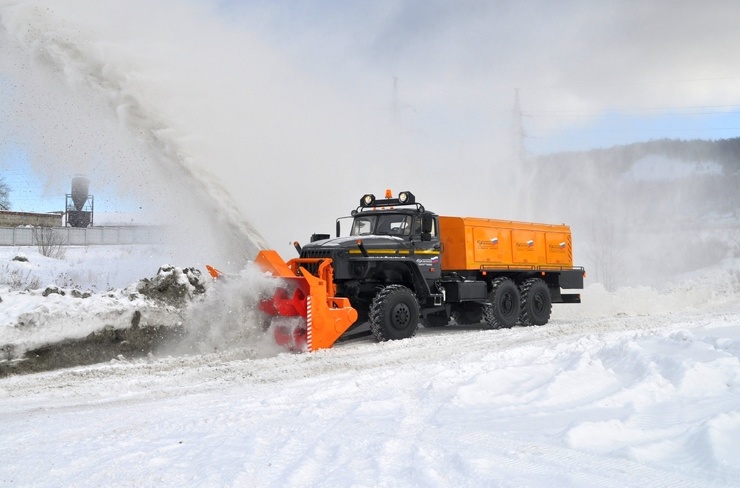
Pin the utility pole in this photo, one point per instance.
(517, 132)
(395, 103)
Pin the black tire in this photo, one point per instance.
(468, 313)
(503, 312)
(536, 302)
(394, 313)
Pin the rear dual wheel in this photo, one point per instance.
(503, 312)
(536, 302)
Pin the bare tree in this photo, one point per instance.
(18, 280)
(4, 195)
(50, 242)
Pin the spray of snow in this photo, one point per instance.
(80, 101)
(229, 317)
(707, 289)
(209, 126)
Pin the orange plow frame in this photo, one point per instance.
(327, 316)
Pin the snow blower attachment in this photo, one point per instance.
(313, 317)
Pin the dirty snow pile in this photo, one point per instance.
(637, 387)
(42, 304)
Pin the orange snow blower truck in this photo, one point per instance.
(402, 265)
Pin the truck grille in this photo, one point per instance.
(313, 268)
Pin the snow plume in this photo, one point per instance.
(180, 94)
(709, 289)
(85, 97)
(228, 317)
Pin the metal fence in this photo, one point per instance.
(90, 236)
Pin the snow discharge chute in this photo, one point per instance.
(308, 297)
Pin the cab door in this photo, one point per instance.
(427, 249)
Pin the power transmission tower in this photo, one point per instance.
(517, 132)
(396, 103)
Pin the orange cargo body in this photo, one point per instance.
(473, 243)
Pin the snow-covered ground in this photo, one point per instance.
(637, 387)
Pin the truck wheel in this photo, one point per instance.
(468, 313)
(536, 302)
(394, 313)
(503, 311)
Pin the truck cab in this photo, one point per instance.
(382, 232)
(393, 241)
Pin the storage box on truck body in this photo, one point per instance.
(470, 243)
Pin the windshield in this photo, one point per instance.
(385, 224)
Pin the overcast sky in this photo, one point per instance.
(319, 102)
(582, 67)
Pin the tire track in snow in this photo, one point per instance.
(239, 365)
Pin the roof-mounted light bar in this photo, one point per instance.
(404, 198)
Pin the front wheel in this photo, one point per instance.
(394, 313)
(503, 312)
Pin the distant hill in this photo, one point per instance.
(663, 207)
(725, 152)
(671, 180)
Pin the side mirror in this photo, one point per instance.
(339, 228)
(427, 223)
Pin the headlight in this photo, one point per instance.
(406, 197)
(367, 200)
